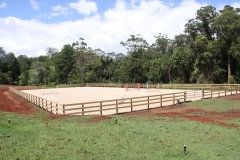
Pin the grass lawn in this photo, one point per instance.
(133, 137)
(216, 104)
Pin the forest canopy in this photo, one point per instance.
(207, 52)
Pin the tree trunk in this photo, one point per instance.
(169, 76)
(229, 68)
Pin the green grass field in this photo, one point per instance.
(133, 137)
(216, 104)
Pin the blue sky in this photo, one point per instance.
(30, 26)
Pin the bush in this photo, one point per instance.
(3, 78)
(231, 80)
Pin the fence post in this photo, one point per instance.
(116, 107)
(63, 109)
(82, 109)
(225, 92)
(56, 108)
(38, 101)
(35, 100)
(46, 103)
(131, 105)
(160, 100)
(211, 92)
(231, 90)
(51, 106)
(148, 101)
(185, 96)
(41, 102)
(202, 93)
(100, 108)
(173, 98)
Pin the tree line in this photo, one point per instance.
(207, 52)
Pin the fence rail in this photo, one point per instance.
(117, 106)
(47, 105)
(171, 86)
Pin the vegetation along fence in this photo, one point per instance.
(117, 106)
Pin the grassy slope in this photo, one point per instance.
(38, 137)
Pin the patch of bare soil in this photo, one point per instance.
(10, 102)
(97, 119)
(234, 97)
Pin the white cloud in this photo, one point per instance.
(44, 16)
(35, 5)
(59, 10)
(84, 7)
(3, 5)
(105, 31)
(220, 6)
(236, 5)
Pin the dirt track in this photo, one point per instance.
(9, 102)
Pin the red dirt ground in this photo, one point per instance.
(97, 119)
(195, 114)
(10, 102)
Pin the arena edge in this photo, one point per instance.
(116, 106)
